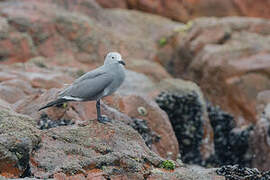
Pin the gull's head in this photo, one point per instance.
(114, 57)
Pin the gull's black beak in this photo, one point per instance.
(122, 62)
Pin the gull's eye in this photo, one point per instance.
(113, 57)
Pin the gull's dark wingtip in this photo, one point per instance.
(52, 103)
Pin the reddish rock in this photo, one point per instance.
(16, 46)
(88, 147)
(227, 58)
(95, 174)
(258, 8)
(137, 106)
(152, 70)
(60, 32)
(190, 9)
(83, 112)
(11, 94)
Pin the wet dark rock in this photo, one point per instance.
(186, 116)
(237, 172)
(231, 143)
(147, 134)
(46, 123)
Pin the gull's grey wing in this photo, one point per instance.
(89, 87)
(90, 74)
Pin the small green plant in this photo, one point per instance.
(168, 164)
(65, 105)
(163, 41)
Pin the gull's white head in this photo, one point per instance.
(114, 57)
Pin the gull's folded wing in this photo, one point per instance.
(88, 87)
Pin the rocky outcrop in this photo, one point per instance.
(190, 9)
(137, 106)
(67, 141)
(18, 140)
(203, 130)
(54, 42)
(26, 151)
(109, 148)
(227, 58)
(65, 28)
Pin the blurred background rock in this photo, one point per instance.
(197, 88)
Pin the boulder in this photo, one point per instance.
(112, 147)
(187, 110)
(227, 57)
(101, 151)
(141, 107)
(81, 113)
(18, 138)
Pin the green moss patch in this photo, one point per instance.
(168, 164)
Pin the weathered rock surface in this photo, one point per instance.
(190, 9)
(189, 172)
(227, 57)
(67, 29)
(141, 107)
(18, 139)
(57, 41)
(111, 147)
(89, 149)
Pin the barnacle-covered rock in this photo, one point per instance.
(186, 115)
